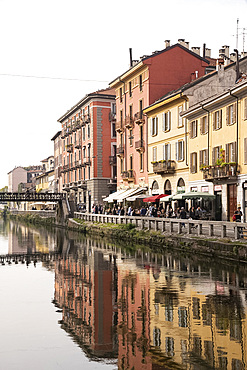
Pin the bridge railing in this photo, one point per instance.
(203, 228)
(29, 196)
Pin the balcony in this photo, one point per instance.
(112, 159)
(82, 184)
(78, 144)
(77, 125)
(120, 151)
(112, 116)
(119, 126)
(78, 163)
(112, 183)
(129, 122)
(66, 187)
(128, 175)
(87, 161)
(164, 167)
(140, 145)
(65, 168)
(139, 118)
(222, 173)
(86, 118)
(69, 148)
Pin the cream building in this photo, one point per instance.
(167, 145)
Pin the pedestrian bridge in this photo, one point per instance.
(28, 258)
(32, 197)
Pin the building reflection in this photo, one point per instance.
(87, 295)
(25, 239)
(152, 311)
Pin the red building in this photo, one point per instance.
(89, 148)
(146, 81)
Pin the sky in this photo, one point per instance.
(54, 52)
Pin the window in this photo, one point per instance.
(88, 131)
(121, 165)
(193, 129)
(182, 317)
(245, 108)
(180, 119)
(154, 154)
(83, 134)
(141, 161)
(130, 88)
(121, 94)
(113, 129)
(217, 119)
(154, 126)
(231, 152)
(140, 83)
(121, 117)
(131, 137)
(245, 150)
(203, 157)
(167, 152)
(204, 125)
(216, 154)
(180, 150)
(231, 114)
(166, 120)
(131, 111)
(131, 162)
(193, 162)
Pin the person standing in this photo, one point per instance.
(238, 215)
(183, 215)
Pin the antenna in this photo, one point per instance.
(237, 35)
(244, 33)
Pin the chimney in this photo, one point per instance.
(207, 53)
(196, 50)
(226, 48)
(243, 54)
(168, 43)
(233, 57)
(183, 43)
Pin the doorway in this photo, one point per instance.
(218, 205)
(231, 200)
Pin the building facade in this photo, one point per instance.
(89, 149)
(144, 83)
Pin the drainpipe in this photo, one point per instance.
(208, 128)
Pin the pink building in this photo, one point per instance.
(146, 81)
(89, 148)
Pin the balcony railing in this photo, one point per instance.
(220, 173)
(82, 184)
(87, 161)
(128, 175)
(163, 167)
(112, 159)
(129, 122)
(69, 148)
(86, 118)
(120, 151)
(140, 145)
(139, 118)
(78, 144)
(112, 116)
(119, 126)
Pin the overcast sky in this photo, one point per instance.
(74, 47)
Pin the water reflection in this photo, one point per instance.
(146, 310)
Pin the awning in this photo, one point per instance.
(178, 196)
(197, 195)
(112, 196)
(167, 198)
(154, 198)
(129, 193)
(135, 197)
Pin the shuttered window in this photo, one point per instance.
(154, 154)
(231, 152)
(216, 154)
(193, 129)
(193, 162)
(167, 152)
(245, 108)
(180, 119)
(204, 125)
(203, 157)
(245, 150)
(166, 121)
(180, 150)
(217, 119)
(231, 114)
(154, 126)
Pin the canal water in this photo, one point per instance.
(83, 303)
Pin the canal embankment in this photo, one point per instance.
(219, 241)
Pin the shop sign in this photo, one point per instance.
(180, 189)
(217, 187)
(193, 188)
(205, 189)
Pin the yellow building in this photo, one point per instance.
(217, 147)
(167, 145)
